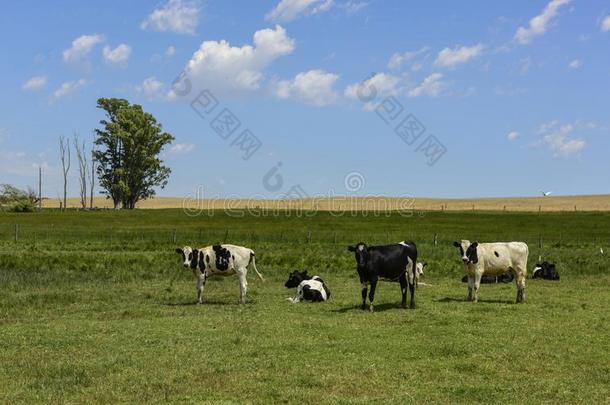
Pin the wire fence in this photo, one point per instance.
(117, 235)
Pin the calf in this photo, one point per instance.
(219, 260)
(546, 271)
(493, 259)
(308, 288)
(419, 271)
(391, 262)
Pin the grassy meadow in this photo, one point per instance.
(95, 307)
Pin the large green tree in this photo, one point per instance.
(127, 152)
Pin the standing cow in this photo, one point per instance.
(391, 262)
(493, 259)
(219, 260)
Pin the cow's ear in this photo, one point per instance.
(179, 251)
(456, 244)
(424, 265)
(305, 272)
(475, 244)
(351, 248)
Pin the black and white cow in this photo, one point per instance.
(219, 260)
(308, 288)
(391, 262)
(506, 277)
(546, 271)
(493, 259)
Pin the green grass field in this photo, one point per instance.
(95, 307)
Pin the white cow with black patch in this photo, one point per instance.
(310, 288)
(493, 259)
(219, 260)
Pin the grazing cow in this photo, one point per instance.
(546, 271)
(391, 262)
(308, 288)
(506, 277)
(493, 259)
(219, 260)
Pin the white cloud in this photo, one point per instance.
(81, 47)
(452, 57)
(152, 89)
(557, 138)
(524, 65)
(381, 84)
(312, 87)
(288, 10)
(181, 148)
(67, 88)
(352, 7)
(432, 86)
(512, 136)
(605, 24)
(575, 64)
(117, 56)
(232, 69)
(176, 16)
(35, 83)
(538, 25)
(170, 51)
(398, 59)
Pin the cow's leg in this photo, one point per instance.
(243, 286)
(372, 295)
(363, 285)
(403, 289)
(200, 286)
(411, 279)
(477, 285)
(520, 280)
(470, 286)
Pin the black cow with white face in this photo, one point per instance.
(396, 262)
(546, 271)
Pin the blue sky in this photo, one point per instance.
(515, 94)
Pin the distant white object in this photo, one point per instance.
(601, 250)
(546, 193)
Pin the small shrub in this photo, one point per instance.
(22, 206)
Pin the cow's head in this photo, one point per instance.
(189, 256)
(295, 278)
(361, 252)
(468, 251)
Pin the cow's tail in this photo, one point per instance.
(252, 264)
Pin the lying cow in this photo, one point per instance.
(391, 262)
(502, 278)
(493, 259)
(546, 271)
(308, 288)
(219, 260)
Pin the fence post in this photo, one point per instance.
(16, 232)
(435, 239)
(308, 236)
(174, 236)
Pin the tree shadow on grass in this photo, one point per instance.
(388, 306)
(481, 301)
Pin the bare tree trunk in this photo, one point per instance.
(64, 151)
(82, 170)
(39, 188)
(92, 180)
